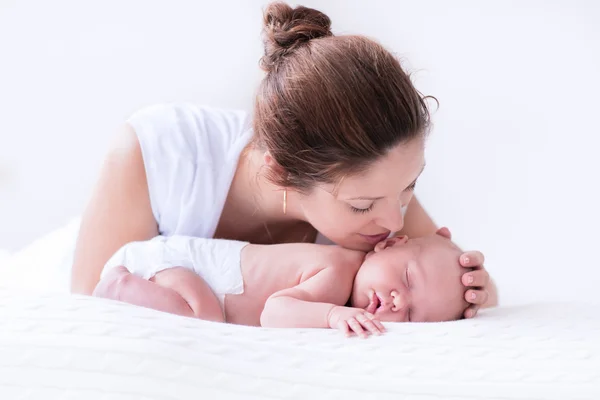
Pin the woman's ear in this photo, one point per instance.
(272, 164)
(268, 159)
(444, 232)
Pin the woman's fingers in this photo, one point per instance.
(471, 311)
(472, 259)
(476, 296)
(477, 278)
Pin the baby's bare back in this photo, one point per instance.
(268, 269)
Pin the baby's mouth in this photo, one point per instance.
(374, 304)
(378, 302)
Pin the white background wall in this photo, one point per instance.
(512, 160)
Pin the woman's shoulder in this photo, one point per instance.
(190, 130)
(190, 154)
(187, 109)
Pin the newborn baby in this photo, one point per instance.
(292, 285)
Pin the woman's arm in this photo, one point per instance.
(418, 223)
(118, 212)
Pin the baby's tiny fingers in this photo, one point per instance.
(379, 325)
(368, 324)
(478, 278)
(342, 326)
(357, 328)
(375, 321)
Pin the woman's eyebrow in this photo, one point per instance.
(381, 197)
(365, 198)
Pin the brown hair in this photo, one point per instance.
(329, 105)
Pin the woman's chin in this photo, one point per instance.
(352, 242)
(363, 245)
(355, 244)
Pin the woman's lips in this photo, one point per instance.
(374, 239)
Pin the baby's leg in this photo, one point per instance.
(120, 284)
(194, 290)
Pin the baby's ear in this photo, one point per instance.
(445, 232)
(384, 244)
(380, 246)
(400, 239)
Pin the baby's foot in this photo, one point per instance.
(107, 287)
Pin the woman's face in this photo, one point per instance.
(363, 209)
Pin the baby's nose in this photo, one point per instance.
(399, 301)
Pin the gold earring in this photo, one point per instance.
(285, 201)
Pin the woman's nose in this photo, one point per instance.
(399, 301)
(392, 218)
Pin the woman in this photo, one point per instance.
(336, 147)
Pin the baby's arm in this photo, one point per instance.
(175, 290)
(318, 301)
(308, 304)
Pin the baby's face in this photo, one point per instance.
(416, 280)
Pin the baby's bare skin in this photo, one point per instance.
(266, 270)
(308, 285)
(271, 269)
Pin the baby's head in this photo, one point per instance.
(416, 280)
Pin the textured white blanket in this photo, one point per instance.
(61, 347)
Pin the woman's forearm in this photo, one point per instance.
(417, 223)
(118, 212)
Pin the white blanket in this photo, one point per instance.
(60, 347)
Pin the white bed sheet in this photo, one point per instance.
(44, 265)
(55, 346)
(4, 256)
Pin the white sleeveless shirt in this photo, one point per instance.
(190, 155)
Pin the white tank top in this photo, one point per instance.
(190, 155)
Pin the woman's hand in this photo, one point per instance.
(481, 291)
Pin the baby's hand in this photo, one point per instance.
(356, 320)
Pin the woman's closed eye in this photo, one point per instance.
(361, 210)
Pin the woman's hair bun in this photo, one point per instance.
(286, 29)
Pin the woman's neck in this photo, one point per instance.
(256, 196)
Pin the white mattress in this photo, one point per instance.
(55, 346)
